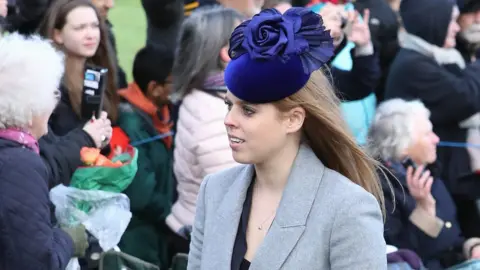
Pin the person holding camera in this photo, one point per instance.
(421, 214)
(76, 28)
(28, 238)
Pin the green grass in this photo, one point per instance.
(129, 26)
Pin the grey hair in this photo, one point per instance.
(201, 38)
(30, 73)
(391, 132)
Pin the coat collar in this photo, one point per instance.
(289, 223)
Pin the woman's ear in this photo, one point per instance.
(224, 55)
(295, 119)
(57, 36)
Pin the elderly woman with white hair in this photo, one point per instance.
(30, 72)
(421, 215)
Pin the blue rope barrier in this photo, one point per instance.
(151, 139)
(458, 144)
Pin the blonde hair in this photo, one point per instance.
(328, 135)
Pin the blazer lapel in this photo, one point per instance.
(295, 205)
(228, 218)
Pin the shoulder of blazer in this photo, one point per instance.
(220, 182)
(341, 188)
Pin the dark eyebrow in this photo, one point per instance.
(241, 102)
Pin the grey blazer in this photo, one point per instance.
(324, 221)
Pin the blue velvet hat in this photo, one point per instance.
(273, 55)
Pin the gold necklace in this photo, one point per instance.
(260, 227)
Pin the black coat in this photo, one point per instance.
(164, 18)
(384, 26)
(360, 81)
(62, 154)
(28, 239)
(64, 119)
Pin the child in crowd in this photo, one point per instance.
(144, 114)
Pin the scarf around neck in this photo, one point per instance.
(22, 137)
(160, 115)
(442, 56)
(215, 82)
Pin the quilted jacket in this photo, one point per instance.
(28, 240)
(201, 148)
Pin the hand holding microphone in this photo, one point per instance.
(100, 130)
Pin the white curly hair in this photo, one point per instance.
(391, 132)
(30, 73)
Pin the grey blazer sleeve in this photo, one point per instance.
(357, 238)
(196, 242)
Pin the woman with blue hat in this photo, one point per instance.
(307, 197)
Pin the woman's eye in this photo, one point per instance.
(248, 111)
(229, 105)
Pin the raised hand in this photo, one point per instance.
(359, 32)
(419, 185)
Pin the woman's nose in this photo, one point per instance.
(229, 119)
(90, 32)
(436, 139)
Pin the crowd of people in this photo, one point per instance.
(276, 134)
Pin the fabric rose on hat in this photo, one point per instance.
(270, 34)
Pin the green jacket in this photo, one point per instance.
(151, 191)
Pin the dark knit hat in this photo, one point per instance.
(427, 19)
(468, 6)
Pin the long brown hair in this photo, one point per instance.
(327, 134)
(56, 19)
(201, 38)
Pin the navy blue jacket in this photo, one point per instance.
(359, 82)
(436, 253)
(28, 239)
